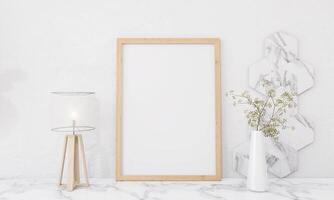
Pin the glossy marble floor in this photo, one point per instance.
(228, 189)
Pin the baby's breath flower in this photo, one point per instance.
(267, 114)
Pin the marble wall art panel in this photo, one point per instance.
(282, 66)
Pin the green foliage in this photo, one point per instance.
(268, 113)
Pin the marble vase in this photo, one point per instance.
(257, 179)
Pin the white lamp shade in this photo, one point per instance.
(67, 107)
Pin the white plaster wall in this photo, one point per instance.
(50, 45)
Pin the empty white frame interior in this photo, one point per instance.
(168, 111)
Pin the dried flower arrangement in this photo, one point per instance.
(268, 113)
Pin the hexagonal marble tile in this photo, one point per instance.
(282, 159)
(282, 66)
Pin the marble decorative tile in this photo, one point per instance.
(302, 136)
(281, 66)
(282, 159)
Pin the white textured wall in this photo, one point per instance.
(50, 45)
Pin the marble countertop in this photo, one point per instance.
(228, 189)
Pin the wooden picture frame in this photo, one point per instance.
(217, 149)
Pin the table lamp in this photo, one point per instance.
(73, 114)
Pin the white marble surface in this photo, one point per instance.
(228, 189)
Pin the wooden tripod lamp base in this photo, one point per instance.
(73, 147)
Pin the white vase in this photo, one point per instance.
(257, 178)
